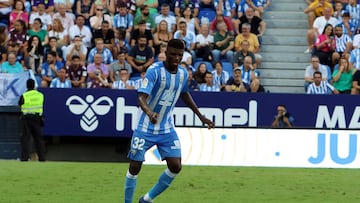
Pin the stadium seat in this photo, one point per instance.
(329, 73)
(209, 66)
(227, 66)
(207, 13)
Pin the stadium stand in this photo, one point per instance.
(284, 62)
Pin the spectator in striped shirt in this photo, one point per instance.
(123, 20)
(343, 44)
(124, 83)
(220, 76)
(61, 81)
(209, 85)
(320, 86)
(107, 57)
(312, 68)
(250, 75)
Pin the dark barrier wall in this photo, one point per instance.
(107, 112)
(10, 130)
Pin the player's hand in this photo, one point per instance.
(153, 117)
(208, 122)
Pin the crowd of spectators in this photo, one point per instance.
(333, 42)
(111, 43)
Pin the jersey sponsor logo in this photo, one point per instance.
(89, 109)
(144, 83)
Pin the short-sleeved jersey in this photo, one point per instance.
(164, 90)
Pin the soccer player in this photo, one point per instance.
(163, 84)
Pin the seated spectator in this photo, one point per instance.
(76, 48)
(47, 5)
(257, 25)
(121, 43)
(187, 57)
(43, 15)
(182, 4)
(15, 48)
(282, 119)
(320, 86)
(107, 35)
(209, 85)
(315, 66)
(152, 5)
(199, 74)
(140, 57)
(18, 13)
(123, 20)
(61, 81)
(85, 9)
(5, 8)
(76, 72)
(53, 46)
(204, 43)
(100, 48)
(36, 30)
(161, 56)
(34, 55)
(145, 16)
(343, 77)
(220, 18)
(161, 36)
(108, 6)
(19, 33)
(223, 44)
(250, 75)
(353, 8)
(66, 17)
(124, 82)
(142, 31)
(338, 10)
(192, 24)
(220, 76)
(192, 84)
(356, 82)
(261, 6)
(325, 47)
(343, 44)
(317, 9)
(254, 45)
(66, 5)
(79, 29)
(98, 73)
(242, 53)
(188, 37)
(165, 15)
(318, 27)
(225, 6)
(98, 18)
(50, 69)
(116, 66)
(11, 65)
(130, 5)
(347, 27)
(59, 32)
(235, 83)
(138, 82)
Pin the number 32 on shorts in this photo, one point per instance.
(138, 143)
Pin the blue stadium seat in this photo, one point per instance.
(209, 66)
(227, 66)
(208, 13)
(329, 73)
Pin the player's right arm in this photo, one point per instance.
(142, 97)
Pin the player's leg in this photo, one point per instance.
(139, 145)
(170, 150)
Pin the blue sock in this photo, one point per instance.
(164, 182)
(130, 184)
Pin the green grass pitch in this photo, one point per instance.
(78, 182)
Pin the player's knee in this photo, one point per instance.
(135, 167)
(175, 168)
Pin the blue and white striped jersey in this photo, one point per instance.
(341, 42)
(118, 84)
(56, 83)
(206, 88)
(164, 90)
(323, 88)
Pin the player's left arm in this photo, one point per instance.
(188, 100)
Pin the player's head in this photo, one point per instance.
(174, 52)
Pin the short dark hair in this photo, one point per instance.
(53, 37)
(30, 83)
(176, 43)
(52, 53)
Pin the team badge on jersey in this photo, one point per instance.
(144, 83)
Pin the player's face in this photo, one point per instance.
(174, 56)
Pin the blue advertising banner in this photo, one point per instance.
(107, 112)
